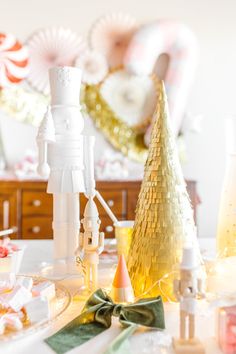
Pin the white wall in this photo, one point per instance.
(214, 90)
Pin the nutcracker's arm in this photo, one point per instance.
(43, 167)
(46, 135)
(81, 241)
(89, 178)
(176, 289)
(81, 244)
(101, 242)
(201, 287)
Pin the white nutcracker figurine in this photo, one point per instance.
(187, 289)
(60, 143)
(66, 158)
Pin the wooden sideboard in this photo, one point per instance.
(27, 206)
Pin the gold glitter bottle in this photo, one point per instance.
(226, 235)
(164, 217)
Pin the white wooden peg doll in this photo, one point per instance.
(91, 244)
(187, 289)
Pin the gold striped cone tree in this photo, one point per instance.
(163, 217)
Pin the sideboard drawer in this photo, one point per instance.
(26, 205)
(107, 227)
(37, 228)
(8, 210)
(116, 200)
(36, 203)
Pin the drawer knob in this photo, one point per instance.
(36, 202)
(36, 229)
(110, 202)
(109, 228)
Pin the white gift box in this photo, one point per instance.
(12, 263)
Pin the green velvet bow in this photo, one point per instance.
(97, 315)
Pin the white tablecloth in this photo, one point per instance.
(38, 251)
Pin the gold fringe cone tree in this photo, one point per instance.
(164, 216)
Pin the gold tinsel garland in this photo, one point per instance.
(23, 104)
(28, 106)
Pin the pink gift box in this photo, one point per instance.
(227, 329)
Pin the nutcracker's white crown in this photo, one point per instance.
(65, 85)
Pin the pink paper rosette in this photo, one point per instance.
(111, 35)
(51, 47)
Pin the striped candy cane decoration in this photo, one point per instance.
(13, 60)
(176, 40)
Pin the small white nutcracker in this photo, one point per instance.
(187, 289)
(91, 241)
(91, 244)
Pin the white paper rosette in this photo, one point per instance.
(93, 65)
(111, 35)
(132, 98)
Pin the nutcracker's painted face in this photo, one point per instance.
(91, 224)
(68, 120)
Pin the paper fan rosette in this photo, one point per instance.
(121, 108)
(93, 65)
(132, 98)
(110, 35)
(50, 47)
